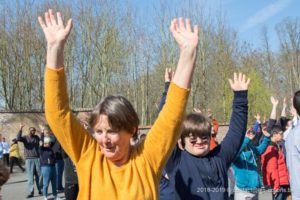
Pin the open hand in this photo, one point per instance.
(249, 134)
(240, 82)
(183, 34)
(22, 126)
(257, 117)
(55, 32)
(274, 101)
(265, 132)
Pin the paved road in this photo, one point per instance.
(15, 189)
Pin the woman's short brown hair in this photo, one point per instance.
(120, 112)
(196, 124)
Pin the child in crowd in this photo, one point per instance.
(274, 169)
(195, 172)
(247, 178)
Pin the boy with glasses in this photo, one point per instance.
(195, 172)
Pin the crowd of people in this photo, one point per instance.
(45, 162)
(180, 158)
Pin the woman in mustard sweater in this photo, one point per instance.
(108, 167)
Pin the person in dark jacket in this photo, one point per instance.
(32, 161)
(71, 179)
(196, 172)
(47, 159)
(59, 165)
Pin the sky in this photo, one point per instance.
(247, 17)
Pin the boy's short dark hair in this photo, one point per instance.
(296, 101)
(196, 124)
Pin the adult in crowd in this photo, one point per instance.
(47, 160)
(292, 145)
(71, 178)
(59, 164)
(15, 157)
(108, 166)
(1, 150)
(5, 146)
(4, 176)
(32, 159)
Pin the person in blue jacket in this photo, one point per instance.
(247, 177)
(195, 172)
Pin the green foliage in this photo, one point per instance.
(258, 96)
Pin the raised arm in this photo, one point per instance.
(168, 77)
(282, 119)
(164, 134)
(260, 149)
(272, 120)
(56, 35)
(274, 102)
(20, 138)
(238, 122)
(284, 105)
(257, 123)
(248, 137)
(65, 126)
(187, 40)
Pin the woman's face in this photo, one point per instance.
(114, 144)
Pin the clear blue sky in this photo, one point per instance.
(247, 17)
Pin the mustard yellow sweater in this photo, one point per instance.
(98, 177)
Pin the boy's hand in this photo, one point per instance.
(240, 82)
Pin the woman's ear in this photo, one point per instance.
(135, 134)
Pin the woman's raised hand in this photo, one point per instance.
(53, 27)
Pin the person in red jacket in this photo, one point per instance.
(274, 168)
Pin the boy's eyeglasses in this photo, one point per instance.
(193, 139)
